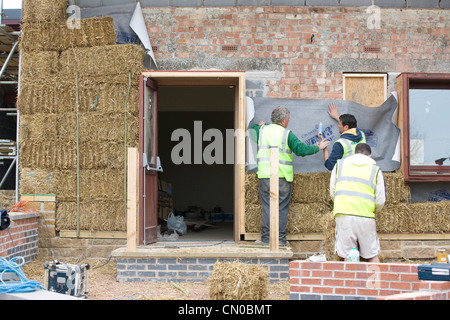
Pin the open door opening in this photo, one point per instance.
(194, 124)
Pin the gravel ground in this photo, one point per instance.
(102, 284)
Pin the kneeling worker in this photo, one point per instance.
(357, 188)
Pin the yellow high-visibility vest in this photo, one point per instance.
(349, 146)
(354, 193)
(274, 135)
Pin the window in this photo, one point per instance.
(424, 103)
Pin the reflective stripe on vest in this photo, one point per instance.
(349, 146)
(355, 189)
(271, 135)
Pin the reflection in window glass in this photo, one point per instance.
(429, 114)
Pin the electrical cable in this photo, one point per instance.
(16, 286)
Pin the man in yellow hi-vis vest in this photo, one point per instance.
(276, 134)
(357, 188)
(350, 137)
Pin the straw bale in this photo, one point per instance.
(418, 217)
(37, 127)
(7, 199)
(48, 154)
(98, 126)
(39, 96)
(95, 184)
(56, 36)
(66, 189)
(102, 184)
(100, 155)
(103, 215)
(253, 217)
(104, 95)
(44, 10)
(39, 64)
(57, 94)
(103, 60)
(38, 181)
(306, 217)
(97, 31)
(397, 191)
(62, 156)
(238, 281)
(302, 217)
(251, 189)
(43, 36)
(306, 188)
(311, 187)
(328, 231)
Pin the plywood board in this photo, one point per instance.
(367, 89)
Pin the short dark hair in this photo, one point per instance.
(348, 120)
(363, 148)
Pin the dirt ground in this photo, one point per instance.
(102, 284)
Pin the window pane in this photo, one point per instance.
(429, 114)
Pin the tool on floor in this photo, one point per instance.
(66, 278)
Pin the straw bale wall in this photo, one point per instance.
(311, 207)
(310, 201)
(70, 77)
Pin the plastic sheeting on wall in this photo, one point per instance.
(305, 114)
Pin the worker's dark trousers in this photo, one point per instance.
(284, 197)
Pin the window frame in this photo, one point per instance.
(406, 81)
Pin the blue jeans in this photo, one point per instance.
(285, 192)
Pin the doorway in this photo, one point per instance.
(201, 156)
(193, 122)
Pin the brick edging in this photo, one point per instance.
(163, 269)
(365, 281)
(21, 238)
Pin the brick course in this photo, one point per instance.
(279, 39)
(188, 269)
(361, 281)
(21, 238)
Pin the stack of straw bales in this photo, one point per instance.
(310, 201)
(69, 75)
(238, 281)
(311, 208)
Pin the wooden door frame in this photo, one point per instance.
(235, 78)
(146, 178)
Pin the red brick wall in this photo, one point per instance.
(24, 234)
(344, 280)
(278, 39)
